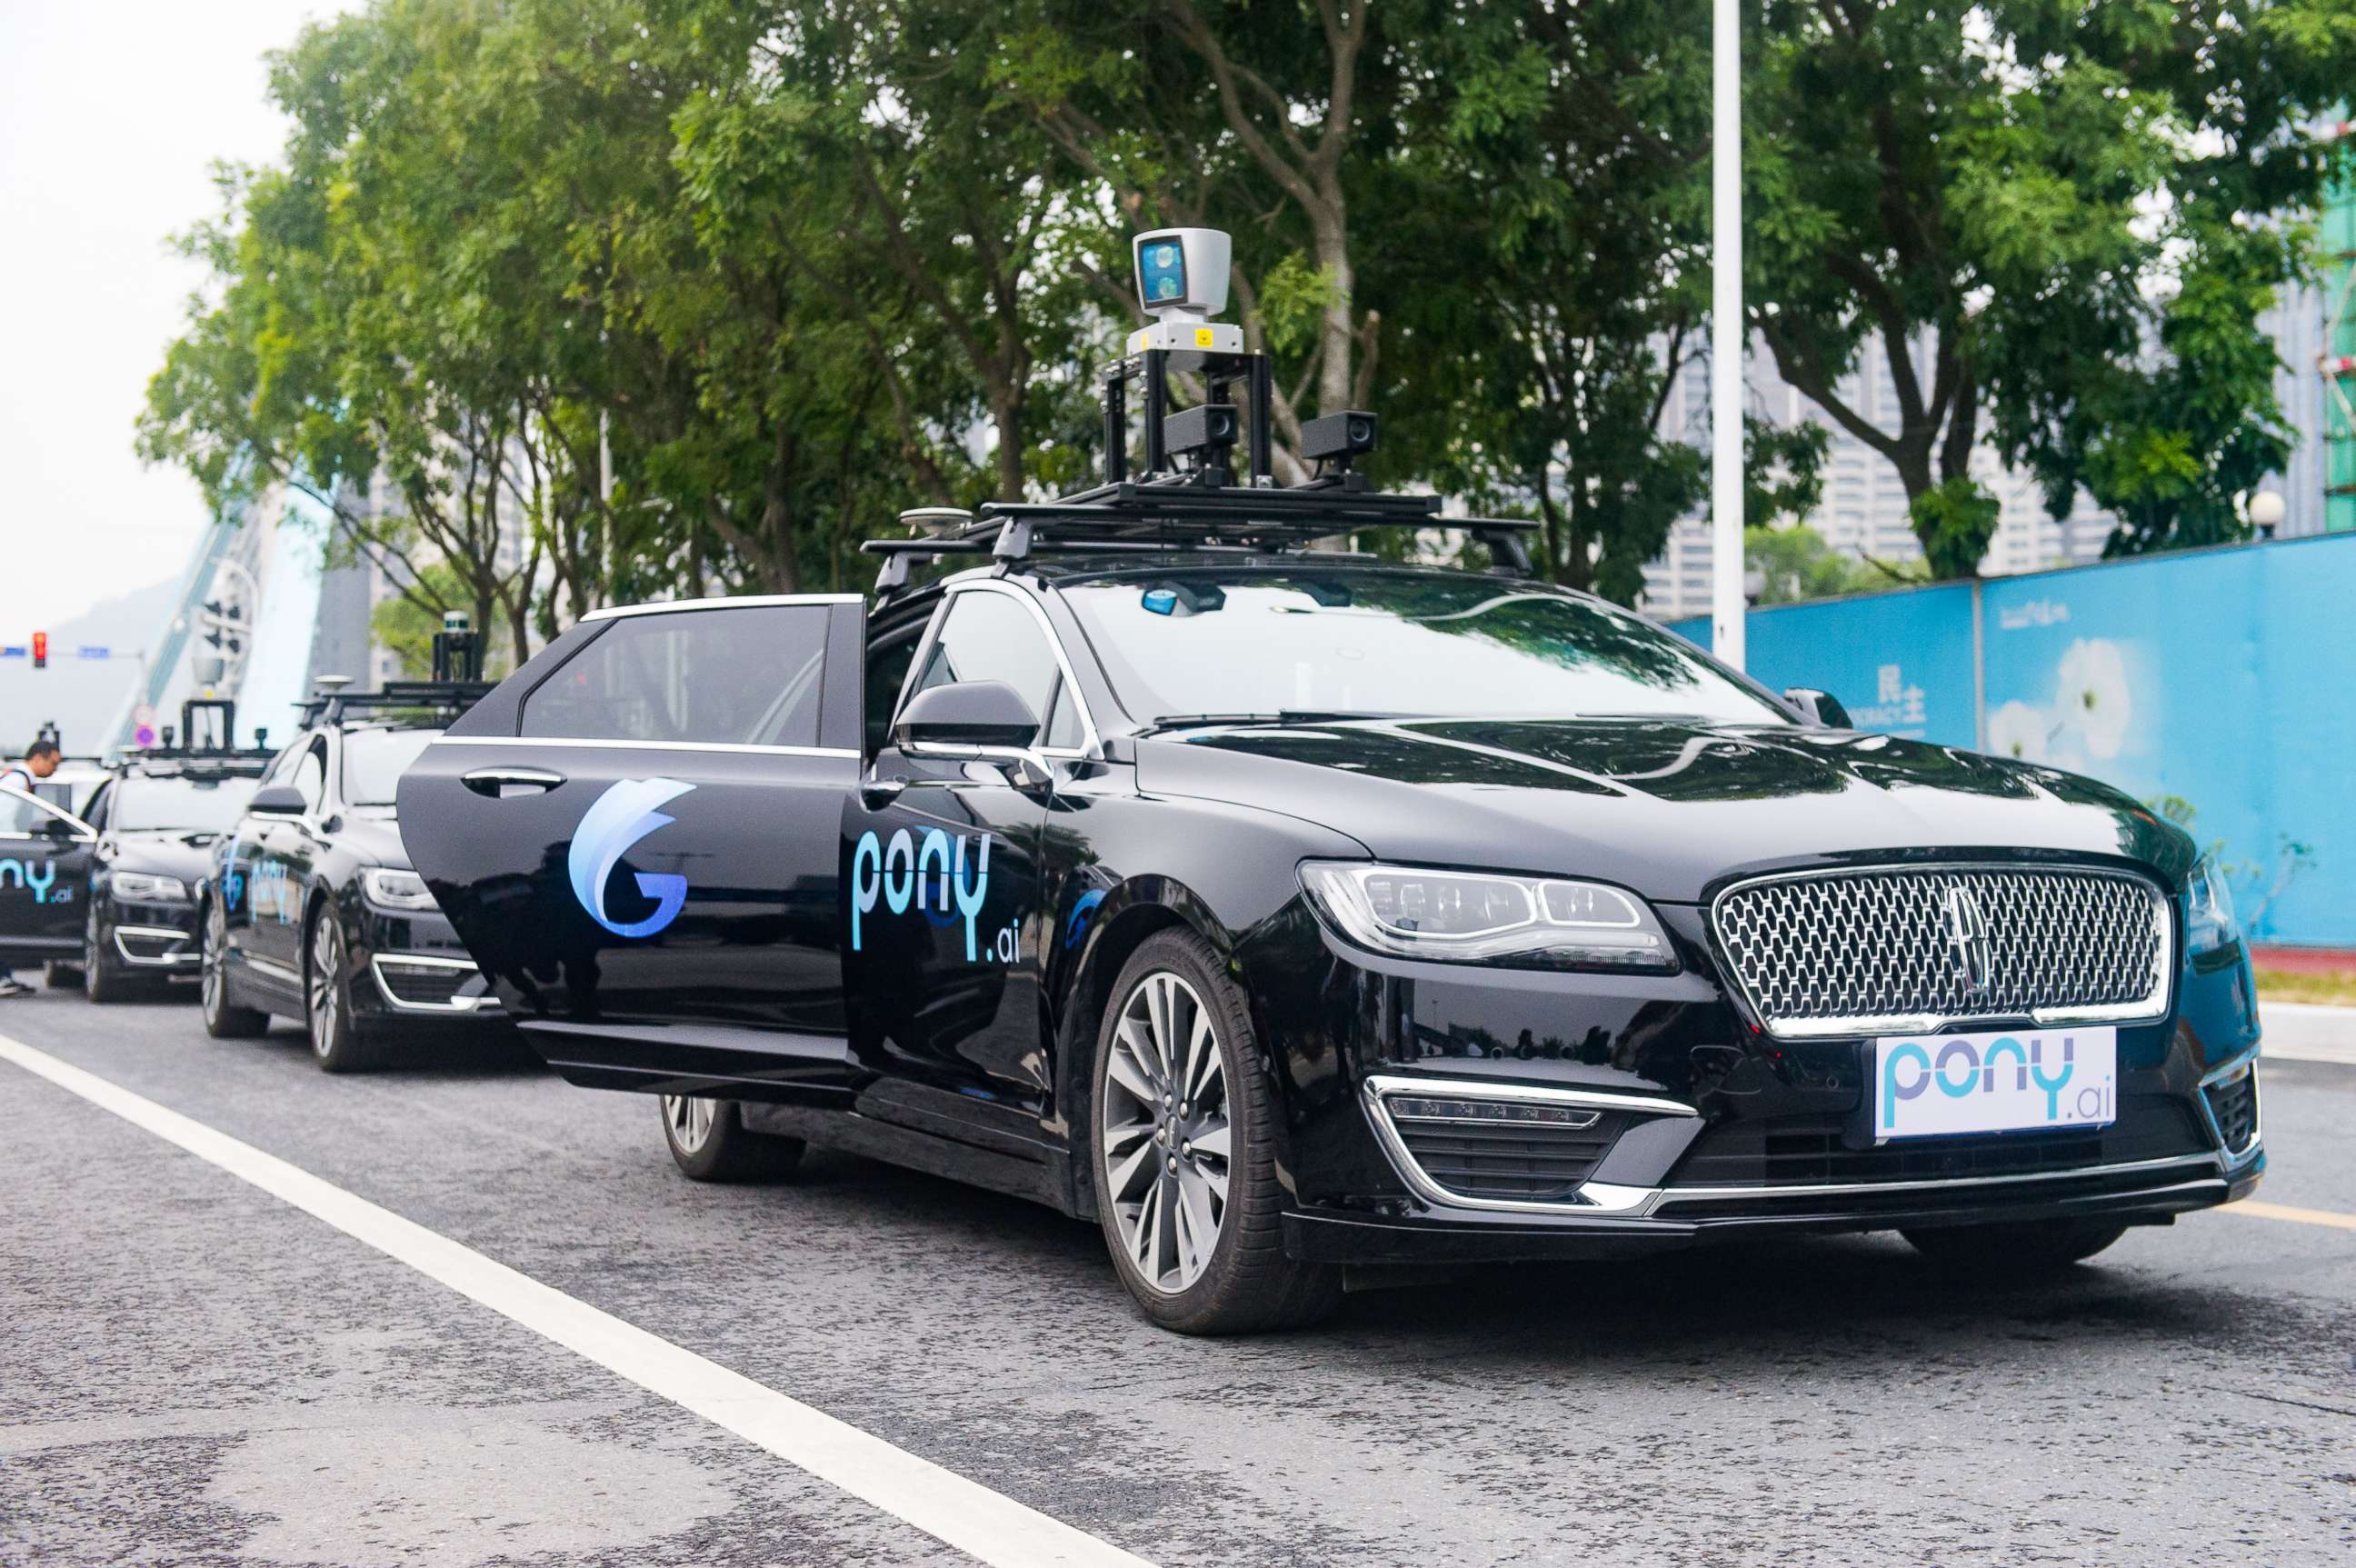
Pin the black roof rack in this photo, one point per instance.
(1188, 500)
(451, 697)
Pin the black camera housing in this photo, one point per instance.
(1348, 435)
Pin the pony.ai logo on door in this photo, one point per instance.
(623, 815)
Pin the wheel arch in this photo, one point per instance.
(1129, 915)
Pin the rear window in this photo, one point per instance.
(737, 677)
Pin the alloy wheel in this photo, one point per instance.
(325, 995)
(1164, 1132)
(208, 965)
(688, 1117)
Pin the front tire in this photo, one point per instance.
(2014, 1252)
(337, 1041)
(708, 1142)
(102, 981)
(224, 1019)
(1185, 1146)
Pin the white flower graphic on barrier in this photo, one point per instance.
(2092, 698)
(2018, 730)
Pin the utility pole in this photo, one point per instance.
(1726, 334)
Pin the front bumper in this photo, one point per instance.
(1602, 1219)
(1707, 1128)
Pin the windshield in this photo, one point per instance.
(183, 805)
(1394, 644)
(374, 760)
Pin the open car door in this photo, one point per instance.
(45, 855)
(635, 835)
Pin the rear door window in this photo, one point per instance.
(752, 676)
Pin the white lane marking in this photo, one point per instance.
(2312, 1051)
(942, 1503)
(2327, 1216)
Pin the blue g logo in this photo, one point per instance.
(622, 816)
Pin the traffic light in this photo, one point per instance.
(41, 650)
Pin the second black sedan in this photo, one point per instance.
(310, 909)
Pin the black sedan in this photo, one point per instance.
(156, 819)
(1284, 911)
(310, 910)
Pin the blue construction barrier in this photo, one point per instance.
(2222, 678)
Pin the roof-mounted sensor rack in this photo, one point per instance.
(1188, 495)
(450, 697)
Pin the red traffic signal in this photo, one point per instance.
(41, 650)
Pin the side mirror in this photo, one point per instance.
(967, 713)
(50, 827)
(278, 800)
(1821, 709)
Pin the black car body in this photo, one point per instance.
(309, 908)
(156, 817)
(808, 869)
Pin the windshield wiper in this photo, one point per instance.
(1282, 716)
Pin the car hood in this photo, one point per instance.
(172, 852)
(1667, 807)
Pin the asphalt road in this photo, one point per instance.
(192, 1372)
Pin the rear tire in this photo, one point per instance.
(2014, 1252)
(61, 974)
(1184, 1142)
(708, 1142)
(338, 1042)
(224, 1019)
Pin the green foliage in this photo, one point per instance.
(1954, 519)
(1796, 564)
(796, 264)
(2059, 221)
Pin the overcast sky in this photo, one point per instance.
(110, 117)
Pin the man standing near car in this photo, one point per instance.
(40, 761)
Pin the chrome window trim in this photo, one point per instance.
(1593, 1198)
(746, 601)
(154, 933)
(2151, 1009)
(1091, 747)
(577, 743)
(427, 961)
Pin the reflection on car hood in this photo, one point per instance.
(163, 852)
(372, 835)
(1665, 806)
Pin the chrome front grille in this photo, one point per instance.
(1901, 949)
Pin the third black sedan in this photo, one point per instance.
(156, 818)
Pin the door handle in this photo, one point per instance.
(877, 793)
(499, 783)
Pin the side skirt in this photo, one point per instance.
(1039, 1177)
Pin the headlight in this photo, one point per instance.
(1487, 918)
(145, 887)
(2210, 924)
(389, 890)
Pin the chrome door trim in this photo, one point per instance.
(576, 743)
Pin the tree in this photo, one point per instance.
(2010, 201)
